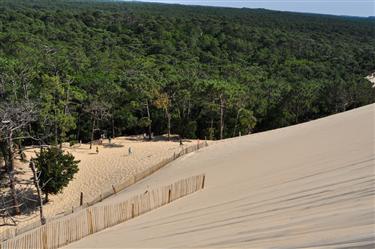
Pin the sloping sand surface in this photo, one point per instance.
(310, 185)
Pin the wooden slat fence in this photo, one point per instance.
(90, 220)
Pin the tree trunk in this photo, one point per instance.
(211, 134)
(222, 102)
(66, 112)
(10, 170)
(92, 132)
(236, 124)
(78, 127)
(56, 134)
(113, 127)
(36, 183)
(2, 166)
(61, 142)
(189, 109)
(149, 118)
(169, 124)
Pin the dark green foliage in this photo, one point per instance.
(55, 169)
(154, 66)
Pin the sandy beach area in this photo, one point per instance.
(304, 186)
(99, 171)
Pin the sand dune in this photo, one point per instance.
(310, 185)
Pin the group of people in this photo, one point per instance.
(130, 151)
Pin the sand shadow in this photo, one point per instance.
(27, 198)
(160, 138)
(113, 145)
(136, 138)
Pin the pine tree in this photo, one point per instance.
(55, 170)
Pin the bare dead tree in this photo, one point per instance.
(17, 113)
(38, 189)
(14, 117)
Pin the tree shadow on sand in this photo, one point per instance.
(27, 198)
(140, 138)
(113, 145)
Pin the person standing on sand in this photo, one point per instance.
(130, 151)
(97, 150)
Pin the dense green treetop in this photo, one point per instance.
(128, 68)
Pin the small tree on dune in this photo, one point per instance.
(55, 170)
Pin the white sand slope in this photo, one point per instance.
(310, 185)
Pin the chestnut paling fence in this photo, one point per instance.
(15, 231)
(90, 220)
